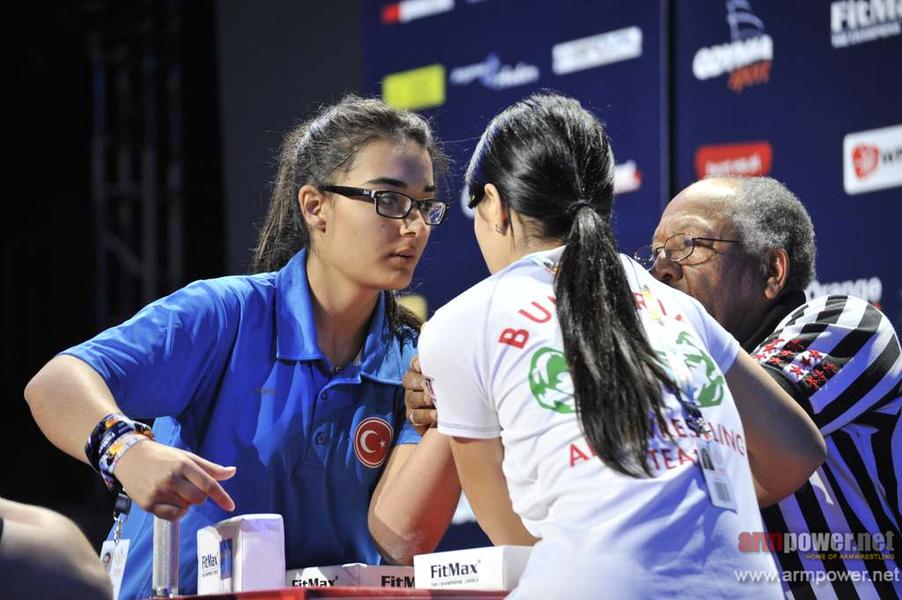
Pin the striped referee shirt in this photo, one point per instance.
(839, 357)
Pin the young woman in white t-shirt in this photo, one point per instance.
(592, 409)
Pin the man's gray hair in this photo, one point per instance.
(767, 215)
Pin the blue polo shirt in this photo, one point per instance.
(231, 370)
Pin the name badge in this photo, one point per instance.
(710, 459)
(113, 556)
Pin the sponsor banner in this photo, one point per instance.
(489, 568)
(830, 120)
(415, 89)
(854, 22)
(730, 160)
(596, 50)
(410, 10)
(241, 554)
(872, 160)
(627, 177)
(747, 57)
(493, 74)
(870, 289)
(488, 72)
(351, 575)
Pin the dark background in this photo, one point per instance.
(93, 70)
(144, 137)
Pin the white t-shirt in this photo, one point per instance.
(494, 359)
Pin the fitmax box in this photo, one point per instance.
(352, 575)
(490, 568)
(241, 554)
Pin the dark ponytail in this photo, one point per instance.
(312, 153)
(284, 231)
(616, 375)
(552, 163)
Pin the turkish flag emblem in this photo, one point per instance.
(866, 159)
(372, 439)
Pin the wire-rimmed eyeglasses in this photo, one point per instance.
(394, 205)
(676, 248)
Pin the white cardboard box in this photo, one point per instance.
(490, 568)
(241, 554)
(351, 574)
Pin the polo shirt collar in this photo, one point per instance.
(380, 359)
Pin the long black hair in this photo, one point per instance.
(312, 153)
(552, 163)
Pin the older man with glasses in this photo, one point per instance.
(744, 247)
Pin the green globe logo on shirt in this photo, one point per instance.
(712, 392)
(549, 381)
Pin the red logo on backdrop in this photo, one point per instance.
(866, 159)
(730, 160)
(372, 439)
(391, 13)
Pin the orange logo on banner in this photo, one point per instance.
(729, 160)
(372, 439)
(865, 159)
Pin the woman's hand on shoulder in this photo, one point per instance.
(166, 481)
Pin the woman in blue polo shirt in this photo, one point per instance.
(279, 391)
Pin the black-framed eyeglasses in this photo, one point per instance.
(676, 248)
(395, 205)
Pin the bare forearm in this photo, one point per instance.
(43, 554)
(412, 509)
(479, 463)
(67, 398)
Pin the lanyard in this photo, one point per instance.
(694, 418)
(120, 514)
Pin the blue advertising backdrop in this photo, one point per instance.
(462, 66)
(686, 89)
(807, 92)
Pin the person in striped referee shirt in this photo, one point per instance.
(744, 247)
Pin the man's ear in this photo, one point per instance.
(496, 213)
(776, 272)
(313, 206)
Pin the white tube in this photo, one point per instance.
(165, 558)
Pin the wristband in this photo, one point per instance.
(92, 447)
(104, 448)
